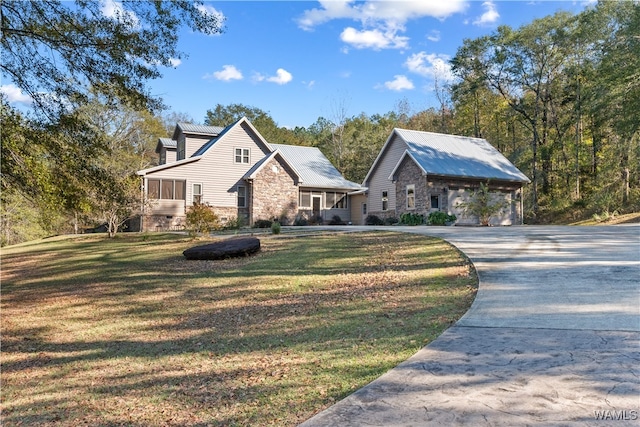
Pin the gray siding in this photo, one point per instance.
(194, 142)
(217, 171)
(379, 179)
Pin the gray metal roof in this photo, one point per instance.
(168, 142)
(199, 129)
(459, 156)
(314, 168)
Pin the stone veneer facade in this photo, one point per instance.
(427, 186)
(274, 193)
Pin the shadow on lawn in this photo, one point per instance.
(187, 329)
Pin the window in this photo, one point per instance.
(163, 156)
(153, 188)
(197, 194)
(411, 196)
(180, 149)
(435, 202)
(242, 155)
(385, 200)
(305, 199)
(242, 197)
(166, 189)
(364, 209)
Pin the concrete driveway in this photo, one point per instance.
(553, 337)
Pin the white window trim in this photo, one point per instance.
(242, 156)
(193, 192)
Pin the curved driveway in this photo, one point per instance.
(553, 337)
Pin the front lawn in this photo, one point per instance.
(127, 332)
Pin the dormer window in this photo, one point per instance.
(242, 155)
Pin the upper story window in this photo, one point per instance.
(411, 196)
(385, 200)
(241, 155)
(166, 189)
(181, 149)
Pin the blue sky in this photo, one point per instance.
(299, 60)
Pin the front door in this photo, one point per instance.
(316, 203)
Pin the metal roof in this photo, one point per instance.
(200, 129)
(314, 168)
(168, 142)
(458, 156)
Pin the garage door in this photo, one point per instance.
(456, 197)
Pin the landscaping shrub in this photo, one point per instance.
(336, 220)
(440, 218)
(373, 220)
(202, 219)
(262, 223)
(275, 227)
(300, 221)
(411, 219)
(391, 220)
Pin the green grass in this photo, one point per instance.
(127, 332)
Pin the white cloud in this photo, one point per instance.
(14, 95)
(228, 73)
(399, 83)
(490, 15)
(206, 9)
(114, 10)
(175, 62)
(381, 21)
(282, 77)
(431, 65)
(434, 36)
(390, 12)
(374, 39)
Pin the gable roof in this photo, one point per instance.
(251, 173)
(196, 129)
(454, 156)
(314, 169)
(226, 130)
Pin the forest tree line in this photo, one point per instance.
(559, 97)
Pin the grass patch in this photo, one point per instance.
(127, 332)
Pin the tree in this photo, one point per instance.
(483, 204)
(128, 137)
(58, 53)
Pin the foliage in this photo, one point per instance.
(234, 223)
(262, 223)
(88, 321)
(373, 220)
(483, 204)
(201, 219)
(391, 220)
(336, 220)
(61, 56)
(440, 218)
(275, 227)
(410, 218)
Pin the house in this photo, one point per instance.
(422, 172)
(240, 175)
